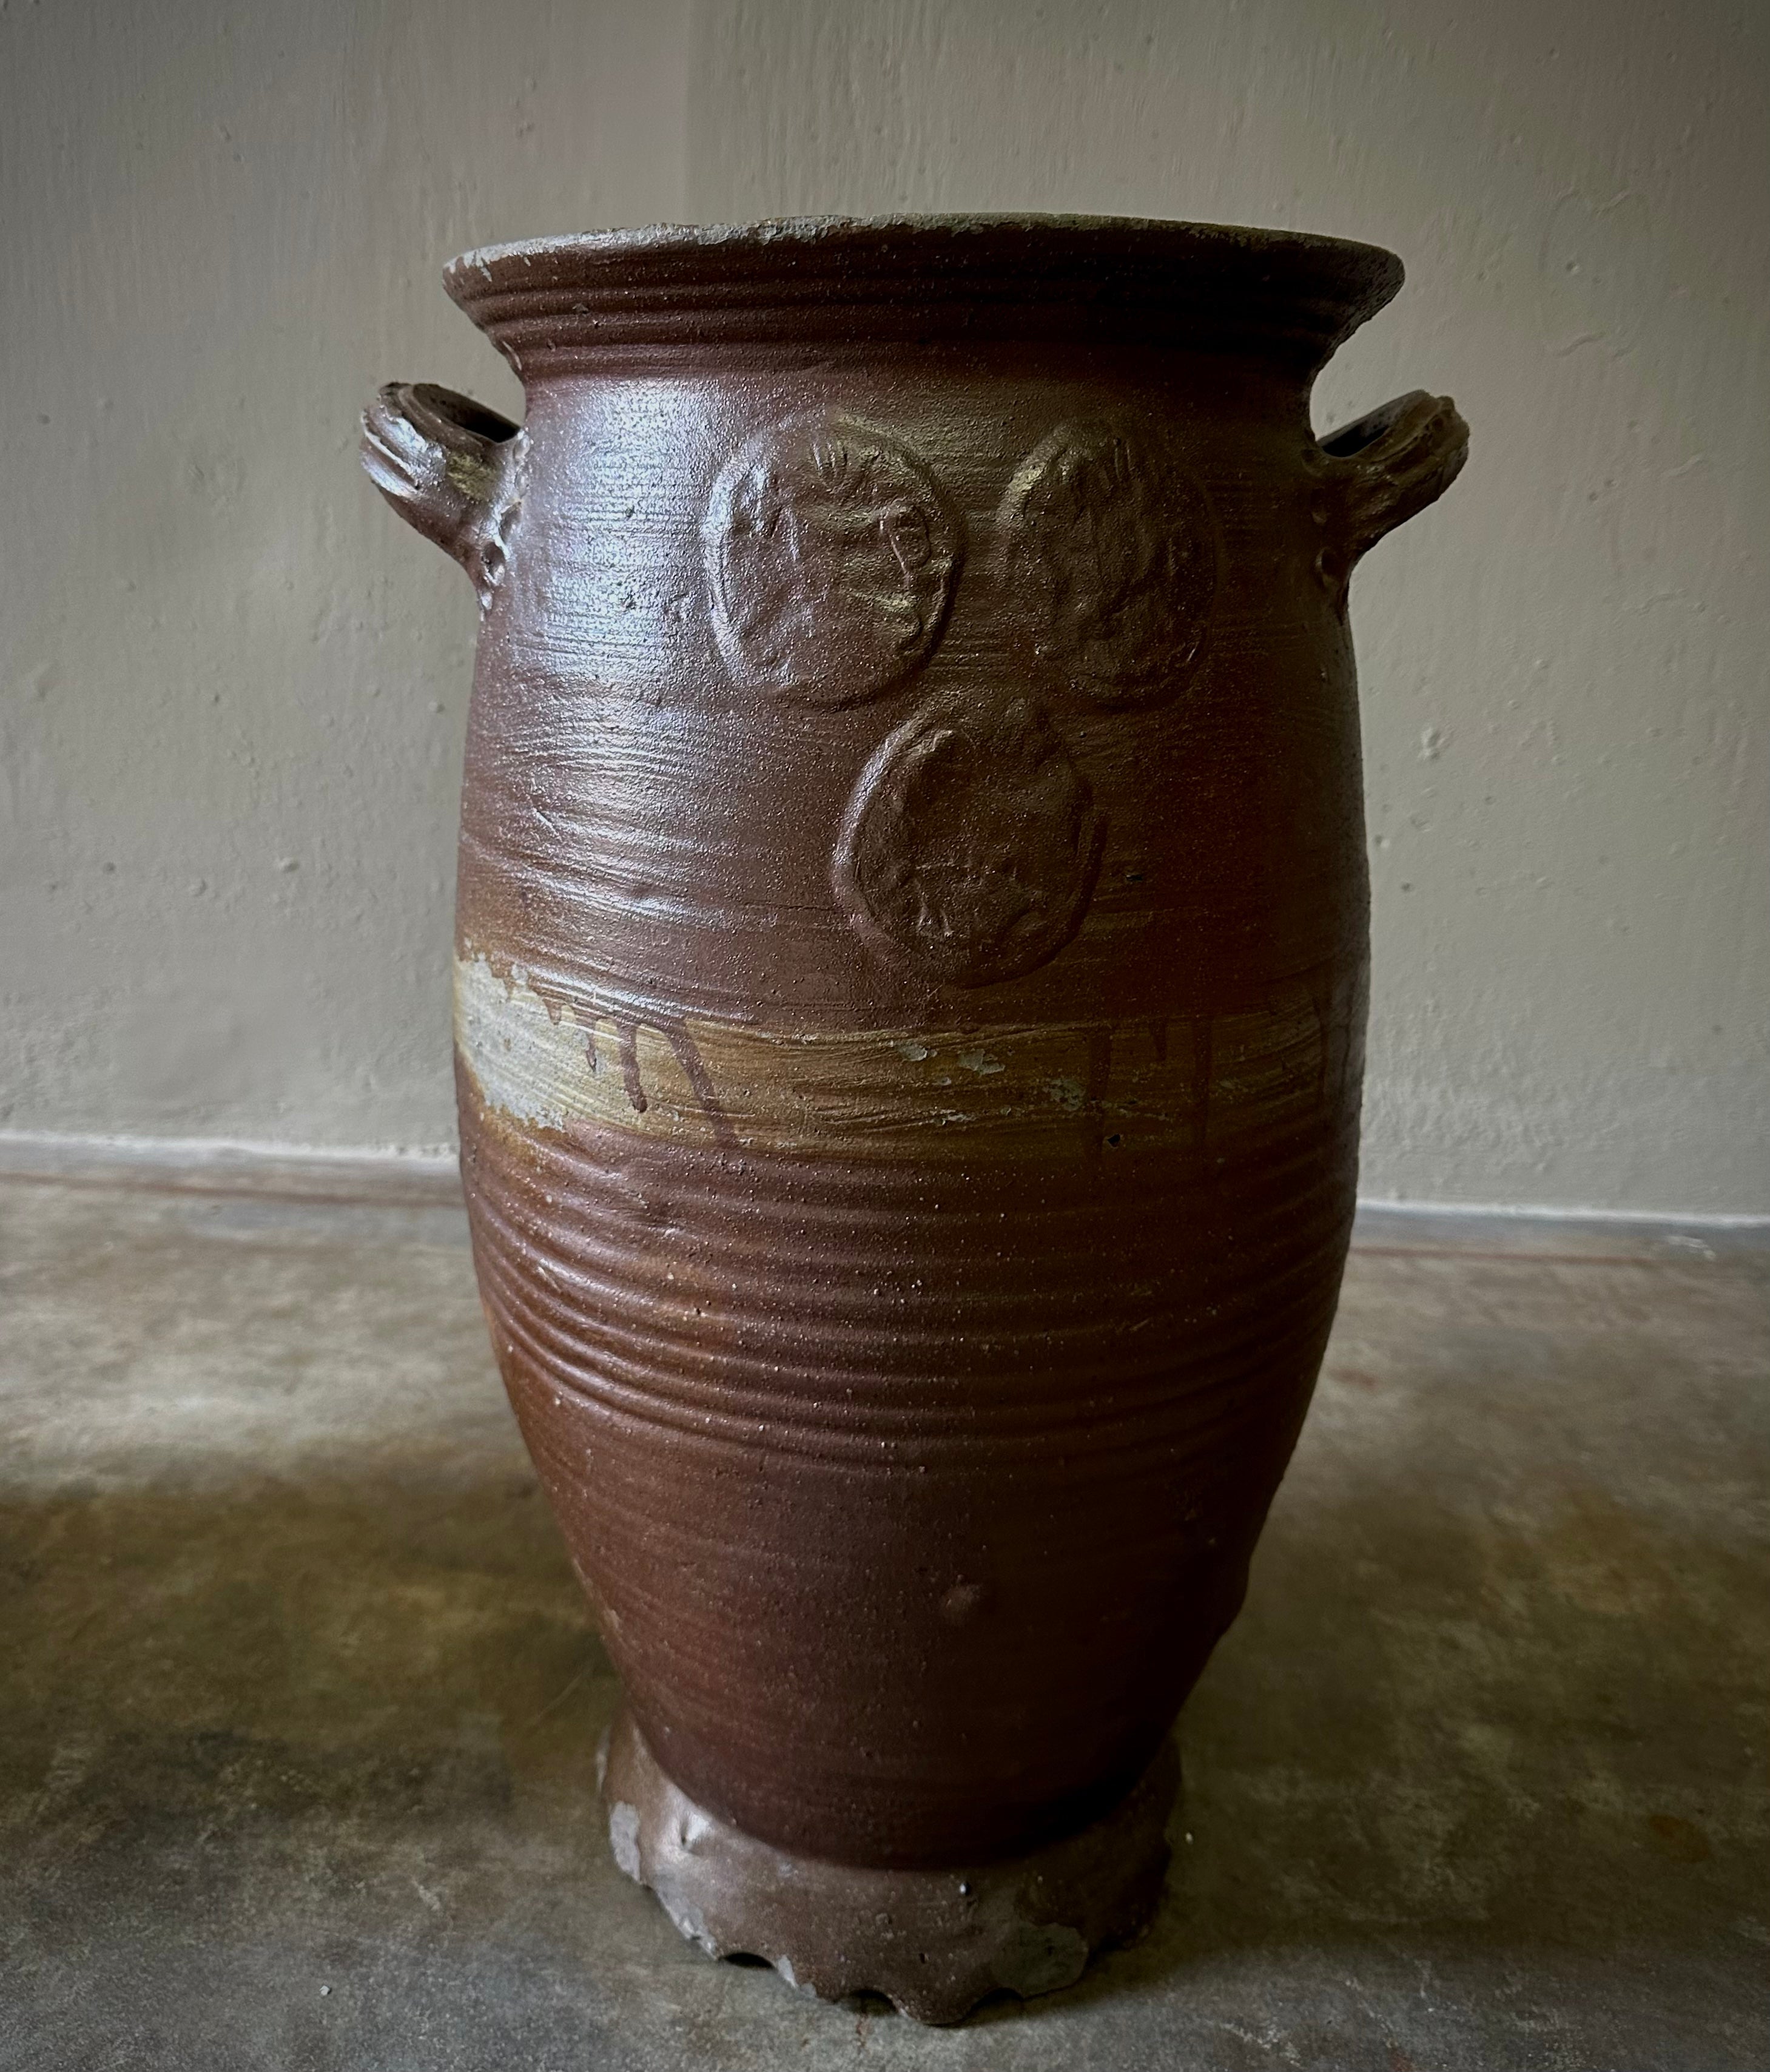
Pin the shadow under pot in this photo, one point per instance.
(909, 997)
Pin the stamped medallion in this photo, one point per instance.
(1108, 548)
(972, 844)
(830, 554)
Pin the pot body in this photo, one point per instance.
(911, 993)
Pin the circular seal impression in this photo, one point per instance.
(1109, 550)
(972, 844)
(831, 554)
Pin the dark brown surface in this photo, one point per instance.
(932, 1943)
(559, 303)
(911, 940)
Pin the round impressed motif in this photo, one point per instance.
(972, 844)
(1109, 550)
(830, 555)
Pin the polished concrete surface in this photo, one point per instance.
(299, 1702)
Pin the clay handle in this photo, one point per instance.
(447, 465)
(1378, 472)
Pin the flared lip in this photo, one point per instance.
(827, 279)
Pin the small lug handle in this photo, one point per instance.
(449, 468)
(1377, 473)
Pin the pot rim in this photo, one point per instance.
(878, 279)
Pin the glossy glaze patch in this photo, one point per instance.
(1108, 551)
(972, 844)
(830, 554)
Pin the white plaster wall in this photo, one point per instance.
(233, 684)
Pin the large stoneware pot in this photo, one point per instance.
(909, 997)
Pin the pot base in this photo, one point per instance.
(934, 1942)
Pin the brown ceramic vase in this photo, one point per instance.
(909, 1002)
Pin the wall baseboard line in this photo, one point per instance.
(430, 1176)
(365, 1175)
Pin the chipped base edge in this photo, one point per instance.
(934, 1943)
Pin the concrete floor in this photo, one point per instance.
(300, 1701)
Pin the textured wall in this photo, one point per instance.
(233, 684)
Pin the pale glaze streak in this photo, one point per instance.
(539, 1059)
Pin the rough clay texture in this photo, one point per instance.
(935, 1943)
(913, 652)
(301, 1701)
(231, 698)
